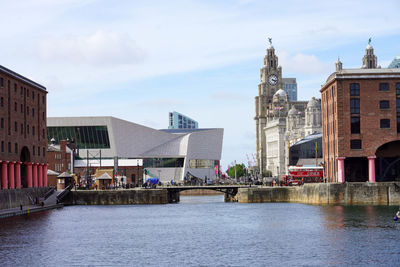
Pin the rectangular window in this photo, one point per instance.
(355, 125)
(9, 147)
(15, 106)
(383, 87)
(1, 101)
(355, 144)
(355, 106)
(22, 108)
(384, 104)
(15, 87)
(354, 89)
(16, 148)
(1, 82)
(2, 146)
(398, 105)
(33, 151)
(33, 95)
(397, 88)
(33, 130)
(38, 151)
(2, 123)
(385, 123)
(22, 128)
(15, 126)
(398, 124)
(33, 112)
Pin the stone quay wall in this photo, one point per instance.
(12, 198)
(325, 193)
(117, 197)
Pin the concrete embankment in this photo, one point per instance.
(117, 197)
(26, 210)
(13, 198)
(332, 193)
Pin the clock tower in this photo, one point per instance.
(271, 81)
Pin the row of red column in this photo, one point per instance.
(371, 169)
(36, 174)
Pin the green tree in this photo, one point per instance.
(240, 170)
(267, 173)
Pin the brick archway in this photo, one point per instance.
(388, 162)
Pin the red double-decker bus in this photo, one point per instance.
(301, 175)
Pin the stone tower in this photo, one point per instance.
(271, 81)
(369, 60)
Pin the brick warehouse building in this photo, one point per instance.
(22, 131)
(361, 123)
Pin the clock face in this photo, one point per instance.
(272, 79)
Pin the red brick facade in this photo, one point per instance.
(23, 142)
(58, 160)
(337, 117)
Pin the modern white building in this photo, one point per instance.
(167, 154)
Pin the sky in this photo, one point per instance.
(139, 60)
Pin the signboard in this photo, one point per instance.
(305, 173)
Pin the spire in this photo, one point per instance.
(369, 60)
(339, 65)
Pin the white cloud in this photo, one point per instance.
(100, 48)
(303, 64)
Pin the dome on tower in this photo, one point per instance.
(280, 93)
(313, 103)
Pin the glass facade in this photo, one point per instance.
(163, 162)
(202, 163)
(305, 150)
(93, 137)
(179, 121)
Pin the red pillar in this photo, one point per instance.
(35, 178)
(45, 175)
(29, 178)
(11, 179)
(4, 176)
(40, 174)
(341, 178)
(371, 168)
(18, 175)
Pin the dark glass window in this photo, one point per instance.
(2, 146)
(33, 150)
(84, 136)
(1, 82)
(2, 123)
(163, 162)
(354, 89)
(398, 124)
(384, 104)
(33, 95)
(1, 101)
(385, 123)
(398, 104)
(15, 87)
(355, 125)
(397, 88)
(33, 112)
(355, 106)
(383, 87)
(38, 150)
(33, 130)
(16, 148)
(355, 144)
(9, 147)
(44, 152)
(15, 126)
(22, 128)
(22, 108)
(15, 106)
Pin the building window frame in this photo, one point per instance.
(385, 123)
(354, 89)
(355, 125)
(384, 87)
(384, 104)
(354, 105)
(355, 144)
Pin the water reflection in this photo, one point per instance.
(204, 231)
